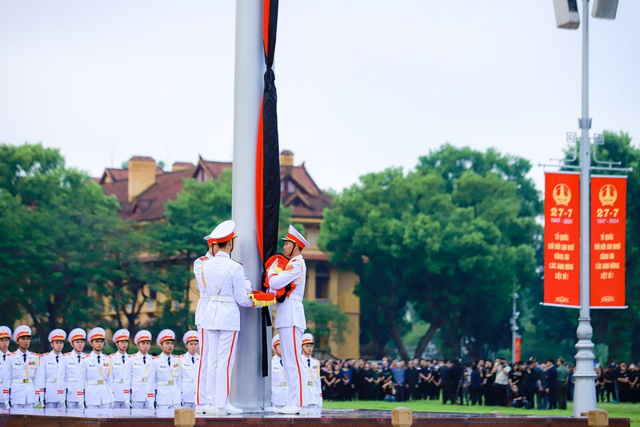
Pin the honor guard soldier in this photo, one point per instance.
(68, 370)
(279, 389)
(290, 319)
(119, 359)
(228, 289)
(166, 376)
(22, 372)
(138, 369)
(190, 362)
(310, 376)
(95, 376)
(201, 309)
(53, 386)
(5, 339)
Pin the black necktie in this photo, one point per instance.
(144, 359)
(57, 358)
(123, 358)
(169, 361)
(4, 357)
(24, 356)
(98, 359)
(281, 364)
(309, 362)
(78, 358)
(193, 359)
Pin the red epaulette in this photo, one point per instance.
(203, 258)
(131, 355)
(154, 357)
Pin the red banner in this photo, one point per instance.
(518, 350)
(608, 236)
(562, 239)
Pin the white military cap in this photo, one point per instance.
(294, 236)
(307, 339)
(121, 335)
(190, 336)
(97, 334)
(275, 341)
(57, 335)
(164, 335)
(21, 331)
(77, 334)
(142, 335)
(224, 232)
(5, 332)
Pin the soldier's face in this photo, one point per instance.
(167, 346)
(288, 248)
(307, 349)
(193, 347)
(78, 345)
(97, 345)
(24, 343)
(278, 350)
(144, 346)
(123, 345)
(4, 344)
(57, 345)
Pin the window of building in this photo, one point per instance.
(322, 280)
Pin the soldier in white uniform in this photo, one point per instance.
(290, 319)
(119, 359)
(166, 373)
(311, 376)
(137, 372)
(95, 375)
(52, 385)
(279, 389)
(228, 289)
(68, 369)
(5, 339)
(190, 363)
(22, 372)
(201, 308)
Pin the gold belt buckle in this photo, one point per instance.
(283, 384)
(144, 380)
(170, 382)
(310, 383)
(100, 381)
(25, 381)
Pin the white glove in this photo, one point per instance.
(127, 402)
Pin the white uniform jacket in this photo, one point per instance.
(95, 379)
(48, 377)
(279, 389)
(201, 308)
(166, 379)
(120, 383)
(290, 312)
(4, 366)
(226, 288)
(137, 371)
(68, 371)
(311, 381)
(21, 381)
(189, 376)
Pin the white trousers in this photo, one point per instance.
(220, 355)
(201, 378)
(291, 345)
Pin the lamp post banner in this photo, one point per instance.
(562, 239)
(608, 237)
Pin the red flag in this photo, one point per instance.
(562, 239)
(608, 236)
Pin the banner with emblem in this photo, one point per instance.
(608, 236)
(562, 239)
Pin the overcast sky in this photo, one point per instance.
(362, 85)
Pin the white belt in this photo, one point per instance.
(296, 297)
(279, 384)
(119, 380)
(166, 383)
(187, 380)
(71, 380)
(52, 380)
(1, 380)
(96, 382)
(139, 380)
(220, 298)
(21, 381)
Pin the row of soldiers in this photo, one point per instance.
(97, 380)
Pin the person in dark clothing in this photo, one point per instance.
(552, 383)
(447, 383)
(475, 387)
(457, 378)
(411, 378)
(488, 376)
(529, 383)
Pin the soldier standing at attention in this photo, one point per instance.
(5, 339)
(20, 377)
(137, 372)
(290, 319)
(68, 370)
(95, 376)
(165, 378)
(190, 363)
(52, 385)
(119, 359)
(311, 376)
(279, 390)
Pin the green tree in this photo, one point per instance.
(328, 321)
(53, 222)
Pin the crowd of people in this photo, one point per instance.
(527, 384)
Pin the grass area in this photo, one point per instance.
(620, 410)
